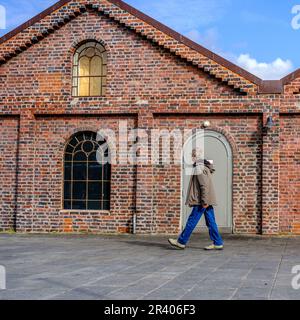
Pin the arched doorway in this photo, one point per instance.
(217, 149)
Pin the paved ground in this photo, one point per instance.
(129, 267)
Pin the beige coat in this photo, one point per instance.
(201, 190)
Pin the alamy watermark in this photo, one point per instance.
(2, 278)
(126, 145)
(296, 278)
(2, 17)
(296, 19)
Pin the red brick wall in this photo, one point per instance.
(290, 174)
(8, 168)
(293, 87)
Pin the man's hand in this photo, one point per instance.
(205, 206)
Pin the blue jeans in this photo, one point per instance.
(193, 220)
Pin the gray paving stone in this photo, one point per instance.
(220, 284)
(200, 293)
(145, 267)
(285, 293)
(84, 293)
(252, 293)
(256, 283)
(284, 280)
(222, 274)
(261, 275)
(165, 294)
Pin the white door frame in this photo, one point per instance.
(228, 148)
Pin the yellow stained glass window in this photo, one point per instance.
(84, 66)
(84, 86)
(95, 86)
(96, 66)
(89, 70)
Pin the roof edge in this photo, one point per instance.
(290, 77)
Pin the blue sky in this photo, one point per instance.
(255, 34)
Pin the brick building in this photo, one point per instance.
(86, 64)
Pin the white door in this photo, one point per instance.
(217, 149)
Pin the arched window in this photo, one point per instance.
(89, 70)
(86, 180)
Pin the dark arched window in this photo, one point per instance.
(86, 180)
(89, 70)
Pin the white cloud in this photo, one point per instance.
(274, 70)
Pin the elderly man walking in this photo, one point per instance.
(201, 196)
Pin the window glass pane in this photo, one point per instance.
(95, 171)
(79, 170)
(96, 66)
(90, 52)
(76, 56)
(67, 205)
(106, 174)
(95, 89)
(78, 148)
(75, 82)
(74, 92)
(84, 84)
(106, 191)
(92, 156)
(68, 157)
(94, 205)
(68, 166)
(75, 72)
(105, 205)
(79, 137)
(67, 191)
(84, 66)
(73, 142)
(88, 146)
(79, 190)
(79, 205)
(95, 191)
(94, 136)
(69, 149)
(80, 156)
